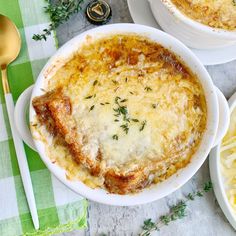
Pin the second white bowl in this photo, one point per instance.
(190, 32)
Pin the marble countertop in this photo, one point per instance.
(205, 217)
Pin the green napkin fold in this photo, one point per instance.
(59, 208)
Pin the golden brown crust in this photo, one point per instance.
(216, 14)
(125, 183)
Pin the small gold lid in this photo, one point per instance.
(98, 12)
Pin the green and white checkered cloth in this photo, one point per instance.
(59, 208)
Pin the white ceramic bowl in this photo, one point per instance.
(216, 126)
(190, 32)
(217, 178)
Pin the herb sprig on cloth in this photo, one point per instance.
(177, 211)
(59, 11)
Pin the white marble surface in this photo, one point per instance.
(205, 218)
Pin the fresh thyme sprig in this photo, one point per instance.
(121, 109)
(177, 211)
(59, 12)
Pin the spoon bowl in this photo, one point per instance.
(10, 41)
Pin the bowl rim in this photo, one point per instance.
(223, 33)
(217, 177)
(183, 175)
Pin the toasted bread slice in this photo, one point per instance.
(54, 111)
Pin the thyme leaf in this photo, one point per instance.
(124, 100)
(91, 108)
(95, 82)
(148, 89)
(143, 125)
(88, 97)
(154, 106)
(114, 81)
(125, 127)
(115, 137)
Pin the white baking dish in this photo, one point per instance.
(216, 124)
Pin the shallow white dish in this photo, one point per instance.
(217, 179)
(141, 14)
(215, 130)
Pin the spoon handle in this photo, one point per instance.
(21, 156)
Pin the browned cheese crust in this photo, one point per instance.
(151, 85)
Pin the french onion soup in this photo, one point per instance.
(121, 114)
(214, 13)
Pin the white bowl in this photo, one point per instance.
(217, 178)
(216, 126)
(190, 32)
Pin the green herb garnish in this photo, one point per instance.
(115, 137)
(135, 120)
(59, 12)
(154, 106)
(115, 82)
(121, 110)
(124, 100)
(88, 97)
(177, 211)
(143, 125)
(148, 89)
(95, 82)
(125, 127)
(91, 108)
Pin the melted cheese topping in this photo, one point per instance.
(134, 101)
(214, 13)
(228, 161)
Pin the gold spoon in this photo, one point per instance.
(9, 49)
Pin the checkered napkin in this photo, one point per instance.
(59, 208)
